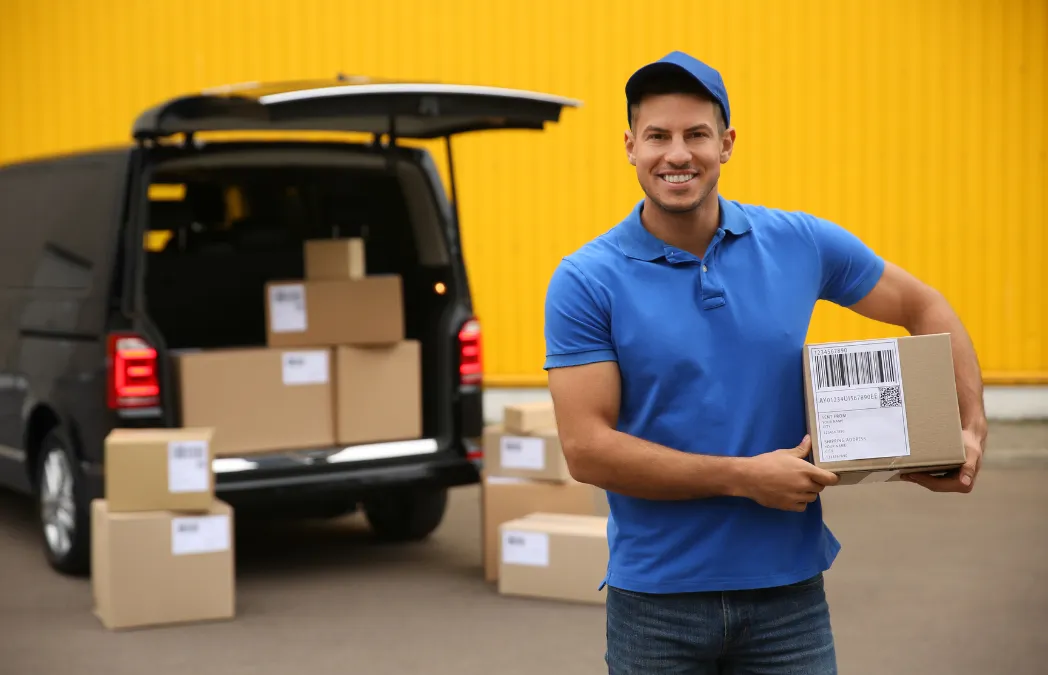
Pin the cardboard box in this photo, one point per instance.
(158, 567)
(525, 418)
(879, 408)
(505, 499)
(378, 393)
(561, 557)
(258, 399)
(537, 456)
(367, 311)
(158, 469)
(335, 259)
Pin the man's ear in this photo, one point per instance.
(727, 145)
(629, 142)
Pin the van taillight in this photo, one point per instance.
(471, 365)
(133, 378)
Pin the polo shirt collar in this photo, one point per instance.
(636, 242)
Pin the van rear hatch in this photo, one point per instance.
(242, 213)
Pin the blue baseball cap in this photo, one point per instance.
(679, 62)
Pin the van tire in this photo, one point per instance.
(69, 553)
(409, 515)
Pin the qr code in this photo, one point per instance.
(891, 397)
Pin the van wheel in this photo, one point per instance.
(406, 516)
(64, 518)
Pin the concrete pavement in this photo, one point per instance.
(925, 584)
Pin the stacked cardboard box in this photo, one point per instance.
(554, 555)
(525, 475)
(162, 547)
(336, 368)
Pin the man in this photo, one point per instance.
(674, 356)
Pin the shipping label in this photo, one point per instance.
(860, 407)
(306, 367)
(287, 308)
(525, 548)
(188, 468)
(522, 452)
(200, 534)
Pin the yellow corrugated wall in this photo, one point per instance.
(918, 125)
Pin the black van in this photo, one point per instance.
(102, 276)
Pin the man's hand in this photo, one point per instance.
(785, 480)
(959, 480)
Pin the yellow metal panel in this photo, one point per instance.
(919, 126)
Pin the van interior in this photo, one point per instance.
(221, 226)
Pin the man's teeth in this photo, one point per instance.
(682, 178)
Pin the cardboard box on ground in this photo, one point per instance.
(544, 534)
(879, 408)
(162, 548)
(336, 368)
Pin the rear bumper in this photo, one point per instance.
(341, 473)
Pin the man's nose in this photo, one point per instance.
(678, 153)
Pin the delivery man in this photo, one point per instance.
(673, 346)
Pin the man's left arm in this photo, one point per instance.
(899, 298)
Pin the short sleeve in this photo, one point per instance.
(850, 268)
(578, 324)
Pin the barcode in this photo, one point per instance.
(859, 368)
(287, 295)
(188, 452)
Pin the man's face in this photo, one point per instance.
(677, 149)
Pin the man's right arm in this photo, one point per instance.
(585, 384)
(586, 400)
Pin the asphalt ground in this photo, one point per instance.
(943, 584)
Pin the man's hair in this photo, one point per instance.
(673, 82)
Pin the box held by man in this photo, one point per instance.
(879, 408)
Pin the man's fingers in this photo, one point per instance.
(971, 468)
(968, 474)
(824, 477)
(949, 483)
(804, 449)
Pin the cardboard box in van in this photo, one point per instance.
(335, 259)
(258, 399)
(159, 469)
(378, 393)
(366, 311)
(160, 567)
(879, 408)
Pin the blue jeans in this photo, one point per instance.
(773, 631)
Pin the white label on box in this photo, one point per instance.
(287, 308)
(522, 452)
(306, 367)
(187, 467)
(859, 402)
(525, 548)
(199, 534)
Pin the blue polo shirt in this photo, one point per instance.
(710, 353)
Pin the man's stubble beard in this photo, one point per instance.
(682, 209)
